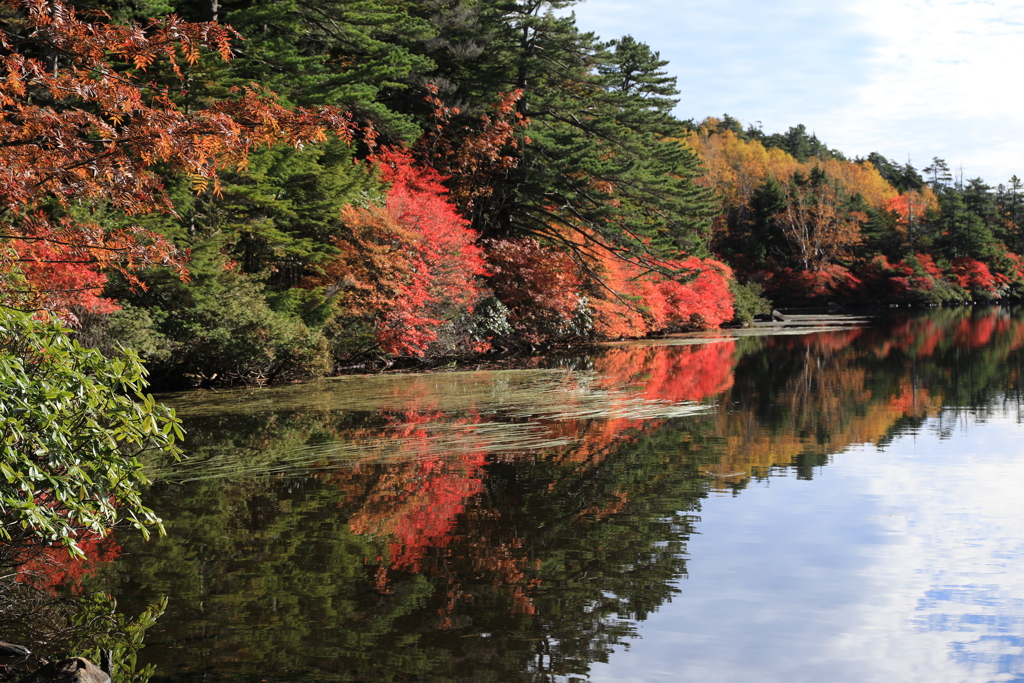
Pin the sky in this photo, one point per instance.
(910, 79)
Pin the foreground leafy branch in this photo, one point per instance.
(85, 124)
(72, 427)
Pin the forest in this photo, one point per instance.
(250, 192)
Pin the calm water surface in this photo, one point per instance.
(841, 505)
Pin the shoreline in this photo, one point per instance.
(796, 320)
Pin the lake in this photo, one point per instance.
(839, 503)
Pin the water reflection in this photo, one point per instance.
(47, 625)
(528, 525)
(895, 564)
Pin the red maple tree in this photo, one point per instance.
(973, 275)
(78, 131)
(405, 265)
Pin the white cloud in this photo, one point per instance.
(940, 82)
(917, 78)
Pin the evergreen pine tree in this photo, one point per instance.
(598, 164)
(1010, 208)
(962, 232)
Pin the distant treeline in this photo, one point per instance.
(811, 225)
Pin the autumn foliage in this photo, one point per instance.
(637, 301)
(540, 285)
(548, 290)
(79, 132)
(51, 277)
(471, 158)
(51, 568)
(407, 265)
(973, 275)
(811, 226)
(95, 134)
(439, 234)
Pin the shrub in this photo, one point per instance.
(403, 270)
(974, 276)
(220, 328)
(747, 301)
(72, 427)
(540, 287)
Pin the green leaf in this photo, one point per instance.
(65, 449)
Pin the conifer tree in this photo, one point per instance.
(938, 174)
(597, 166)
(352, 53)
(1010, 207)
(962, 232)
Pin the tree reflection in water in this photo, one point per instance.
(44, 608)
(462, 539)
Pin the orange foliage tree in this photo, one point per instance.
(637, 301)
(551, 294)
(735, 169)
(78, 132)
(816, 224)
(471, 158)
(541, 286)
(909, 279)
(798, 225)
(407, 265)
(827, 282)
(974, 276)
(911, 207)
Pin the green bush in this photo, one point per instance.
(130, 327)
(234, 334)
(220, 327)
(72, 427)
(747, 301)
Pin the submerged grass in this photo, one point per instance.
(426, 416)
(539, 394)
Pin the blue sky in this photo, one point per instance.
(907, 78)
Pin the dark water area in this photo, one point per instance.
(839, 504)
